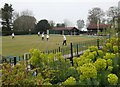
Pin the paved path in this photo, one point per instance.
(67, 56)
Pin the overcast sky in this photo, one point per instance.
(59, 10)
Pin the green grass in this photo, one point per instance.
(22, 44)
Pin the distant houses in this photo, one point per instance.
(64, 30)
(92, 29)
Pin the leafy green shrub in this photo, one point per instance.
(115, 49)
(16, 75)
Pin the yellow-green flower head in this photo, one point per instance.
(93, 48)
(115, 48)
(117, 65)
(109, 45)
(100, 64)
(91, 56)
(109, 62)
(117, 39)
(75, 61)
(69, 81)
(100, 52)
(112, 40)
(107, 40)
(83, 60)
(112, 79)
(87, 71)
(95, 53)
(110, 68)
(112, 55)
(109, 56)
(86, 53)
(35, 52)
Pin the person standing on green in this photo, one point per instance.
(38, 33)
(47, 37)
(13, 35)
(64, 40)
(43, 36)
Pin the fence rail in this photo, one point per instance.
(68, 52)
(77, 48)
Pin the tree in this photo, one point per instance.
(80, 24)
(60, 25)
(52, 24)
(103, 20)
(15, 15)
(95, 14)
(112, 13)
(24, 23)
(27, 13)
(42, 25)
(68, 23)
(0, 22)
(0, 13)
(7, 17)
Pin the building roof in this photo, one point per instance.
(63, 28)
(101, 26)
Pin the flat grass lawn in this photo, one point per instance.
(23, 43)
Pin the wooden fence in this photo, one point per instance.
(68, 52)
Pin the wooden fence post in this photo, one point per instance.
(29, 56)
(71, 59)
(47, 51)
(15, 61)
(23, 57)
(77, 49)
(98, 43)
(55, 51)
(19, 58)
(26, 57)
(10, 60)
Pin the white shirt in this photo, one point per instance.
(47, 36)
(42, 35)
(13, 34)
(64, 37)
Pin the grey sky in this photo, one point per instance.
(59, 10)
